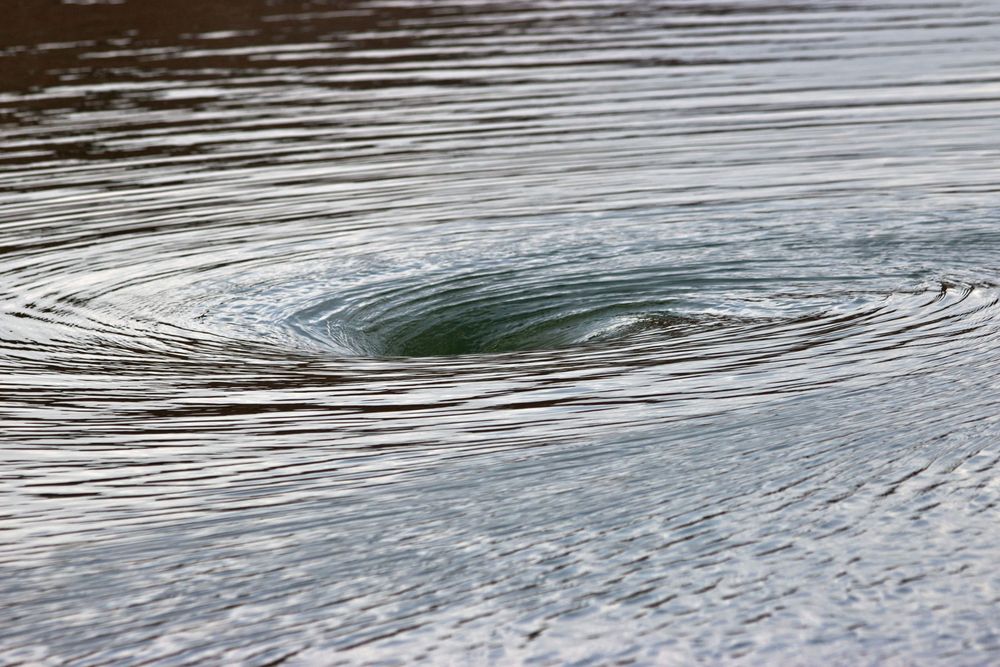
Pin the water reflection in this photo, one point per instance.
(498, 332)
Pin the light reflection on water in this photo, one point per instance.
(499, 332)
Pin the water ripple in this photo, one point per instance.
(499, 332)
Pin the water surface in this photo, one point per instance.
(556, 332)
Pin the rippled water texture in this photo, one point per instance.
(556, 332)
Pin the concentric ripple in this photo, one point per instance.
(502, 333)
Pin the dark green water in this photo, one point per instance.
(499, 332)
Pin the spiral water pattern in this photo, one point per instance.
(480, 332)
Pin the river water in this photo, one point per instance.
(491, 332)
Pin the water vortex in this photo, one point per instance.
(573, 332)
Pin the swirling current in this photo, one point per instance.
(500, 332)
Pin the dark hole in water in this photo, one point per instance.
(495, 331)
(458, 337)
